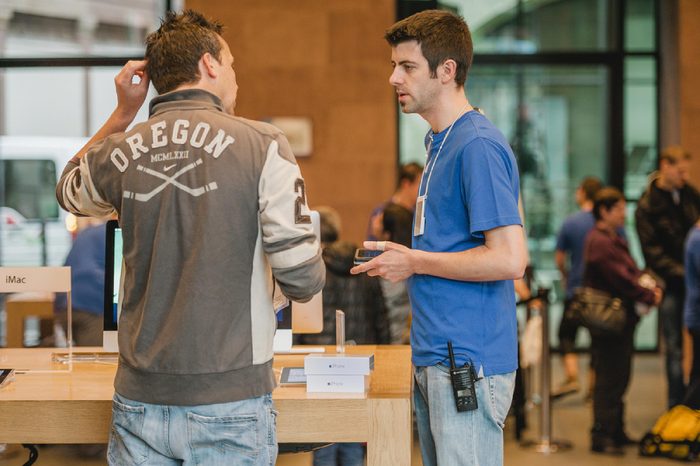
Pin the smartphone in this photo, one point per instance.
(292, 376)
(6, 376)
(365, 255)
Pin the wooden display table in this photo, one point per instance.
(76, 407)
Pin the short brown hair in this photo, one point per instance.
(674, 154)
(590, 186)
(174, 50)
(442, 36)
(330, 224)
(606, 198)
(410, 172)
(398, 222)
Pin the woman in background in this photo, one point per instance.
(609, 267)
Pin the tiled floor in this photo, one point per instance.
(571, 420)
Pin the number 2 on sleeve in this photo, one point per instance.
(300, 188)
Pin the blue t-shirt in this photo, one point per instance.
(369, 236)
(571, 239)
(691, 311)
(87, 262)
(473, 188)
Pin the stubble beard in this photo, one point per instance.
(412, 105)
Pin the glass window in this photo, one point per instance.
(29, 214)
(44, 126)
(640, 123)
(640, 25)
(28, 187)
(75, 104)
(531, 26)
(47, 113)
(641, 148)
(89, 28)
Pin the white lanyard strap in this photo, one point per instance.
(434, 161)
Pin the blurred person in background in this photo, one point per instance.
(86, 259)
(404, 196)
(666, 211)
(569, 260)
(609, 267)
(397, 223)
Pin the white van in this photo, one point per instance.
(33, 228)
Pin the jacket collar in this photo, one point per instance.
(186, 98)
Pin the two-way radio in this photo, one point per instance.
(463, 383)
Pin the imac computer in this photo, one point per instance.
(113, 278)
(296, 318)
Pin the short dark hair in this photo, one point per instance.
(174, 50)
(606, 198)
(330, 224)
(674, 154)
(590, 186)
(410, 172)
(442, 36)
(398, 222)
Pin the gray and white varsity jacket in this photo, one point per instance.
(211, 206)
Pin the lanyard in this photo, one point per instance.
(434, 161)
(419, 222)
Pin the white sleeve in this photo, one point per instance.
(287, 234)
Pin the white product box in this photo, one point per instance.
(348, 364)
(334, 383)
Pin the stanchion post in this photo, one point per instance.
(545, 444)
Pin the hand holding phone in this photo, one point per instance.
(365, 255)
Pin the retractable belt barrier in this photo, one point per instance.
(545, 444)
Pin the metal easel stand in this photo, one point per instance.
(545, 444)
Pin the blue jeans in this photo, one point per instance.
(671, 319)
(450, 438)
(241, 433)
(340, 454)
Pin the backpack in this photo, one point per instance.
(675, 435)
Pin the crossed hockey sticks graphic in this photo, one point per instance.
(145, 197)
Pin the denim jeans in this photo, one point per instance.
(241, 433)
(340, 454)
(671, 318)
(450, 438)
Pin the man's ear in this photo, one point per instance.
(447, 70)
(207, 65)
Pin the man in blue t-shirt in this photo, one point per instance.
(569, 259)
(468, 246)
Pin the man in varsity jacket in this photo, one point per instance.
(213, 211)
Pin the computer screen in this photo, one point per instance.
(113, 275)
